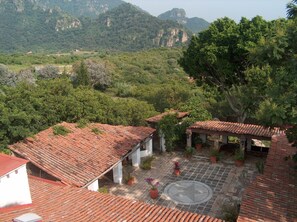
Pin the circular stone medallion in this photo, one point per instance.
(188, 192)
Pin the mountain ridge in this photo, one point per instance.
(178, 15)
(27, 26)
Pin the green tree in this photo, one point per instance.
(219, 57)
(82, 77)
(168, 127)
(292, 9)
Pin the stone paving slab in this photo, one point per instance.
(225, 180)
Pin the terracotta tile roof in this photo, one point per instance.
(10, 163)
(235, 128)
(157, 118)
(273, 195)
(80, 156)
(64, 203)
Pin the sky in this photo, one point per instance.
(210, 10)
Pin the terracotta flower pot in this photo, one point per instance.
(198, 147)
(213, 159)
(177, 172)
(154, 193)
(239, 163)
(131, 181)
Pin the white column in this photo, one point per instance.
(136, 158)
(189, 138)
(242, 142)
(203, 137)
(225, 139)
(249, 144)
(149, 147)
(118, 173)
(94, 186)
(162, 142)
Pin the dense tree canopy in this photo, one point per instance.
(251, 64)
(27, 109)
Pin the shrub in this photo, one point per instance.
(230, 212)
(189, 151)
(61, 130)
(147, 163)
(215, 152)
(239, 154)
(103, 189)
(260, 166)
(82, 123)
(96, 131)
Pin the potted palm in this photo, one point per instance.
(198, 143)
(130, 179)
(239, 157)
(154, 193)
(189, 152)
(176, 168)
(214, 155)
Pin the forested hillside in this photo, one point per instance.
(78, 8)
(25, 26)
(122, 88)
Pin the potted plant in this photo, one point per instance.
(130, 179)
(189, 151)
(154, 193)
(198, 143)
(239, 157)
(214, 155)
(176, 168)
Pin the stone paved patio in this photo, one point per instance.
(226, 181)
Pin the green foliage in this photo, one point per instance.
(189, 151)
(61, 130)
(87, 8)
(260, 166)
(27, 109)
(292, 9)
(167, 127)
(82, 123)
(230, 212)
(215, 152)
(82, 77)
(96, 131)
(103, 189)
(292, 135)
(146, 164)
(218, 57)
(239, 154)
(25, 26)
(198, 140)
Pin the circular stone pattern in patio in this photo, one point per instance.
(188, 192)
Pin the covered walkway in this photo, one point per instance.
(245, 132)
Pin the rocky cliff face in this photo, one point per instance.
(25, 26)
(171, 37)
(179, 15)
(67, 23)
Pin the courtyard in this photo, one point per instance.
(202, 187)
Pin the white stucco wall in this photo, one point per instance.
(94, 186)
(148, 148)
(14, 188)
(118, 173)
(136, 157)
